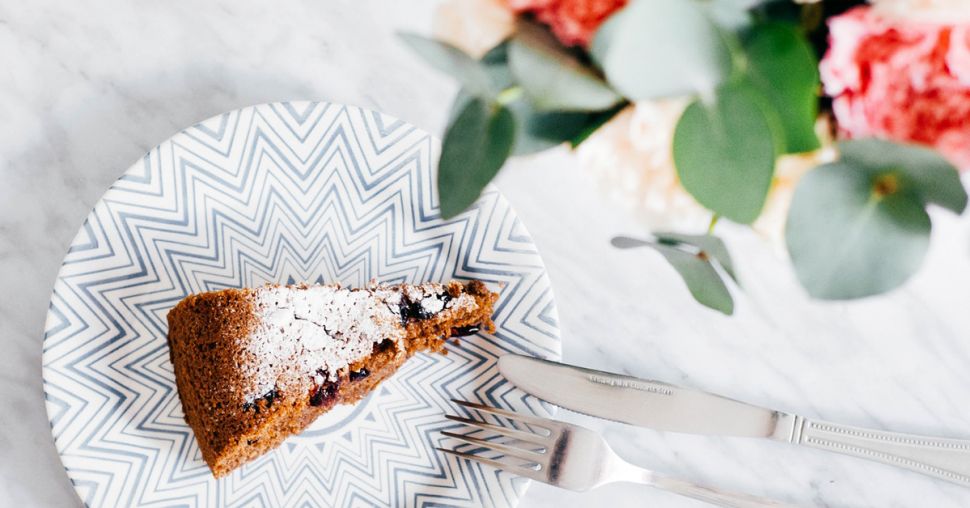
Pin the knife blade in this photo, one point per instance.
(636, 401)
(664, 406)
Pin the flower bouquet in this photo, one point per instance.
(832, 125)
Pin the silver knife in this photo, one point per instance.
(668, 407)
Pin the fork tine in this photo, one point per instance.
(531, 420)
(511, 451)
(528, 437)
(516, 470)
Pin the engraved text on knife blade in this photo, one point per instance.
(627, 383)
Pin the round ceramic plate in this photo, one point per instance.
(278, 193)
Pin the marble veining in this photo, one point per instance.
(86, 88)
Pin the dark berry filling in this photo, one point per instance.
(414, 310)
(384, 345)
(359, 374)
(324, 394)
(465, 331)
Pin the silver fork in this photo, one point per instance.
(573, 457)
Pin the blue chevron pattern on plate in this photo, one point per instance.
(281, 193)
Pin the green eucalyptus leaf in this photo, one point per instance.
(594, 122)
(920, 169)
(499, 54)
(730, 15)
(661, 48)
(782, 65)
(851, 235)
(535, 131)
(452, 61)
(702, 280)
(693, 265)
(552, 77)
(712, 246)
(859, 227)
(785, 11)
(475, 146)
(496, 64)
(462, 99)
(725, 153)
(540, 130)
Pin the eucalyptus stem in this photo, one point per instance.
(714, 219)
(509, 95)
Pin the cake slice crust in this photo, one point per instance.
(254, 366)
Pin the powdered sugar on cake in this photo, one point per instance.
(307, 335)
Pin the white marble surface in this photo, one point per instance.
(87, 87)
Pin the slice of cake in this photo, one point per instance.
(254, 366)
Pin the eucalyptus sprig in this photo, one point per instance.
(857, 226)
(526, 95)
(702, 261)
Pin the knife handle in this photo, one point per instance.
(947, 459)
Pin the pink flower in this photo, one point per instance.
(573, 21)
(900, 79)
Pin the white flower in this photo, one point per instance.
(632, 157)
(474, 26)
(947, 12)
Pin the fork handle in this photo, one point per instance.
(712, 496)
(947, 459)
